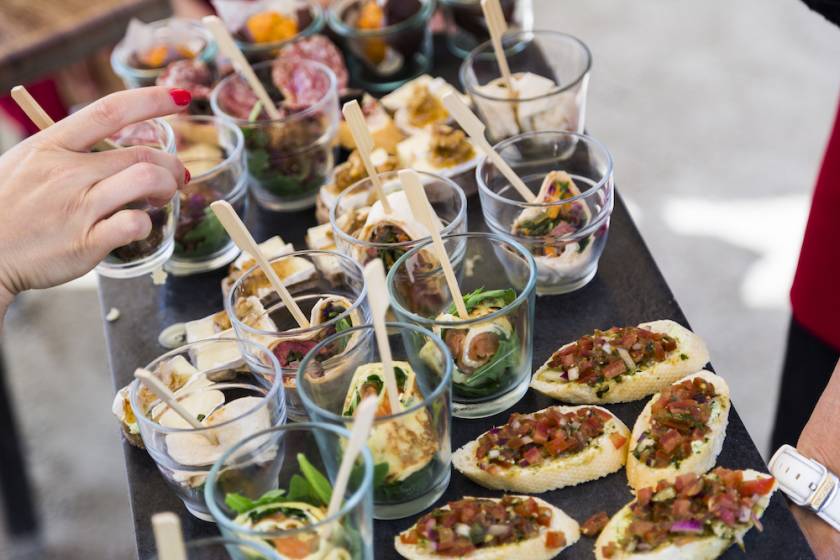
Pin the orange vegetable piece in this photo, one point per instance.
(270, 27)
(155, 57)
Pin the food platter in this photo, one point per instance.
(628, 289)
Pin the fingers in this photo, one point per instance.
(108, 115)
(120, 229)
(103, 165)
(137, 183)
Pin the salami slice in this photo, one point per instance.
(320, 49)
(191, 75)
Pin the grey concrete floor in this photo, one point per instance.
(716, 114)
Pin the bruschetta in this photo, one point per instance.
(508, 528)
(552, 448)
(621, 364)
(681, 430)
(695, 517)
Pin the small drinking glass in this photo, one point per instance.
(330, 290)
(212, 150)
(310, 20)
(142, 257)
(184, 454)
(383, 59)
(551, 68)
(411, 448)
(466, 27)
(298, 463)
(289, 158)
(492, 349)
(353, 205)
(188, 38)
(568, 246)
(221, 548)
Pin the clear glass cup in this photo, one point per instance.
(221, 548)
(184, 454)
(270, 461)
(558, 57)
(492, 349)
(176, 33)
(383, 59)
(211, 149)
(466, 27)
(567, 255)
(142, 257)
(319, 276)
(290, 158)
(310, 18)
(411, 449)
(353, 204)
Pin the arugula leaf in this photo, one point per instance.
(472, 299)
(402, 377)
(241, 504)
(320, 485)
(301, 490)
(492, 376)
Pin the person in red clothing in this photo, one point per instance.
(813, 346)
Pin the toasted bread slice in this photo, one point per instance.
(530, 549)
(600, 458)
(698, 548)
(705, 451)
(690, 356)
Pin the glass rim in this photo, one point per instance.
(488, 46)
(524, 294)
(276, 386)
(119, 55)
(167, 132)
(385, 176)
(349, 503)
(603, 183)
(236, 153)
(443, 385)
(332, 91)
(317, 23)
(337, 24)
(357, 304)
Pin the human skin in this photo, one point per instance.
(62, 207)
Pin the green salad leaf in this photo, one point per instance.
(472, 299)
(320, 485)
(492, 376)
(241, 504)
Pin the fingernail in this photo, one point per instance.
(186, 175)
(180, 96)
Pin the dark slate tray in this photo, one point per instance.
(628, 289)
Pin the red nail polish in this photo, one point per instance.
(187, 176)
(180, 96)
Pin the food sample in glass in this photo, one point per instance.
(212, 151)
(363, 230)
(231, 402)
(492, 348)
(566, 226)
(260, 29)
(221, 548)
(291, 157)
(273, 489)
(411, 447)
(146, 255)
(389, 42)
(550, 78)
(195, 76)
(333, 305)
(347, 174)
(466, 27)
(146, 49)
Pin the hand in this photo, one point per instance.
(820, 440)
(62, 207)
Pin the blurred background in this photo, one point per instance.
(716, 114)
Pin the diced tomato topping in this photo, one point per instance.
(595, 524)
(555, 539)
(617, 440)
(614, 369)
(759, 486)
(409, 538)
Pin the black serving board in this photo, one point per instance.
(627, 290)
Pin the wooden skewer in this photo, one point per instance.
(362, 422)
(168, 537)
(242, 237)
(497, 26)
(42, 120)
(423, 212)
(378, 298)
(475, 129)
(230, 50)
(364, 143)
(157, 387)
